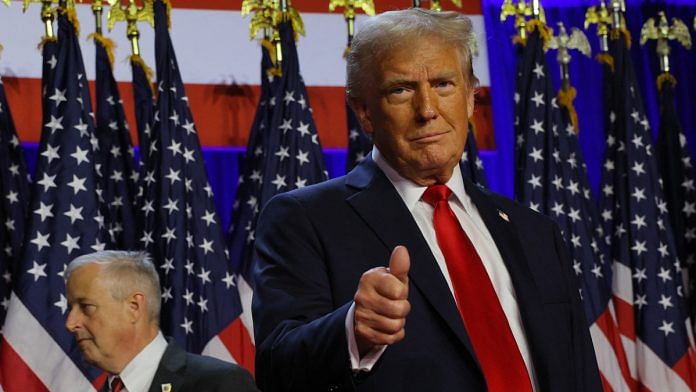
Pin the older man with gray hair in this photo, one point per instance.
(403, 275)
(114, 306)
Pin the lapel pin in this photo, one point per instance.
(166, 387)
(504, 216)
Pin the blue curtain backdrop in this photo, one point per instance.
(224, 162)
(586, 76)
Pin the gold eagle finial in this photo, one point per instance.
(521, 11)
(663, 32)
(131, 14)
(349, 7)
(563, 42)
(436, 6)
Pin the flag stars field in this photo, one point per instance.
(38, 271)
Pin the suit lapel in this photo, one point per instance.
(170, 369)
(505, 235)
(381, 207)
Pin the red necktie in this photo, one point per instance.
(117, 384)
(484, 320)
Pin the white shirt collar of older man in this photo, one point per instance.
(140, 371)
(411, 192)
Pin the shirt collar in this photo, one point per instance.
(140, 371)
(411, 192)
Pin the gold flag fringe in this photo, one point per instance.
(169, 13)
(71, 14)
(273, 71)
(622, 32)
(136, 59)
(519, 40)
(665, 77)
(545, 31)
(44, 40)
(605, 58)
(106, 43)
(270, 48)
(565, 99)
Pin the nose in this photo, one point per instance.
(72, 322)
(426, 103)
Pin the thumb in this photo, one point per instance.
(400, 263)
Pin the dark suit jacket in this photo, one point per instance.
(196, 373)
(315, 243)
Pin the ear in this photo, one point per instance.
(470, 102)
(361, 113)
(137, 306)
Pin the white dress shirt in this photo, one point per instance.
(470, 220)
(140, 371)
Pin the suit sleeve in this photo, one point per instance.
(586, 371)
(300, 332)
(236, 380)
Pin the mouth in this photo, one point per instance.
(429, 137)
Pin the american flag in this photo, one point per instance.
(143, 103)
(647, 283)
(65, 221)
(521, 100)
(14, 188)
(246, 206)
(116, 158)
(224, 84)
(182, 230)
(680, 191)
(283, 154)
(359, 144)
(471, 162)
(293, 154)
(555, 183)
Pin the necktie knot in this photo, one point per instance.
(436, 193)
(116, 384)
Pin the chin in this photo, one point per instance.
(438, 162)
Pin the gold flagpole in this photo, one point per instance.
(131, 14)
(48, 14)
(563, 42)
(349, 7)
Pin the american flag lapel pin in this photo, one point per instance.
(166, 387)
(504, 216)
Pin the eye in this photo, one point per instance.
(397, 90)
(444, 84)
(88, 309)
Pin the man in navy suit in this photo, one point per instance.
(403, 275)
(114, 302)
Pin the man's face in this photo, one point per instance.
(418, 109)
(101, 324)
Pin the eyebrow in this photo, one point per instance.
(77, 300)
(398, 81)
(445, 75)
